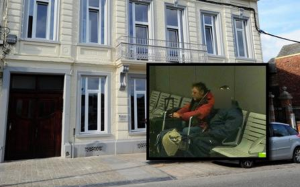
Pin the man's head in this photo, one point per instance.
(198, 91)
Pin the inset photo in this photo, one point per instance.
(202, 111)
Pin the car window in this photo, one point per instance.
(291, 130)
(280, 130)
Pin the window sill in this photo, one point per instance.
(39, 40)
(92, 135)
(94, 45)
(137, 133)
(245, 59)
(215, 56)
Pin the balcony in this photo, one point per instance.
(130, 48)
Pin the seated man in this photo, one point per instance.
(200, 106)
(223, 124)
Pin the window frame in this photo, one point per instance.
(136, 92)
(34, 19)
(107, 110)
(86, 39)
(247, 36)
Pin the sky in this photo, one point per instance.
(280, 17)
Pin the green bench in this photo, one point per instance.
(253, 139)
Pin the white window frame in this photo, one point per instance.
(87, 31)
(34, 19)
(218, 37)
(136, 92)
(246, 38)
(106, 104)
(182, 34)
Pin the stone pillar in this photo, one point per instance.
(286, 103)
(271, 108)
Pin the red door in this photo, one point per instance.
(34, 124)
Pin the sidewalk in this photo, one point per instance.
(110, 171)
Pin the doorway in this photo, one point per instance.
(34, 122)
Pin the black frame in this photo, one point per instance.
(263, 65)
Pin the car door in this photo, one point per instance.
(293, 138)
(280, 142)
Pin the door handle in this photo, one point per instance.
(36, 132)
(9, 128)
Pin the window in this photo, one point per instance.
(174, 32)
(40, 19)
(240, 26)
(291, 130)
(93, 21)
(138, 104)
(279, 130)
(93, 104)
(139, 28)
(209, 33)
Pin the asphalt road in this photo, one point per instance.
(277, 177)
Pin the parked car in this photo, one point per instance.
(284, 144)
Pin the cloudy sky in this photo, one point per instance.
(280, 17)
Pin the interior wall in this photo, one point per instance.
(179, 79)
(250, 83)
(247, 83)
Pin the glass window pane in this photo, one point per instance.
(141, 34)
(172, 17)
(93, 83)
(30, 19)
(94, 3)
(173, 38)
(50, 83)
(291, 130)
(93, 25)
(41, 23)
(103, 2)
(240, 43)
(103, 80)
(23, 82)
(239, 24)
(93, 111)
(208, 38)
(83, 21)
(83, 89)
(130, 19)
(141, 12)
(207, 19)
(141, 110)
(131, 84)
(52, 20)
(140, 84)
(279, 130)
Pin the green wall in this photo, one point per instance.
(247, 83)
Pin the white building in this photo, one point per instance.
(69, 81)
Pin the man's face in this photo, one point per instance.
(197, 94)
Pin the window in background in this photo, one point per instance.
(93, 102)
(93, 16)
(40, 19)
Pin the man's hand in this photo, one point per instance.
(176, 115)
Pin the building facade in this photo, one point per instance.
(285, 75)
(74, 84)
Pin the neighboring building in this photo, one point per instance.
(82, 65)
(285, 72)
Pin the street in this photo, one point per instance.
(134, 169)
(274, 178)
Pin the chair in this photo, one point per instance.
(253, 141)
(160, 107)
(185, 101)
(153, 100)
(238, 136)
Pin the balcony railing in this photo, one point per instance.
(130, 48)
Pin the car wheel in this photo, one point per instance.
(296, 156)
(247, 163)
